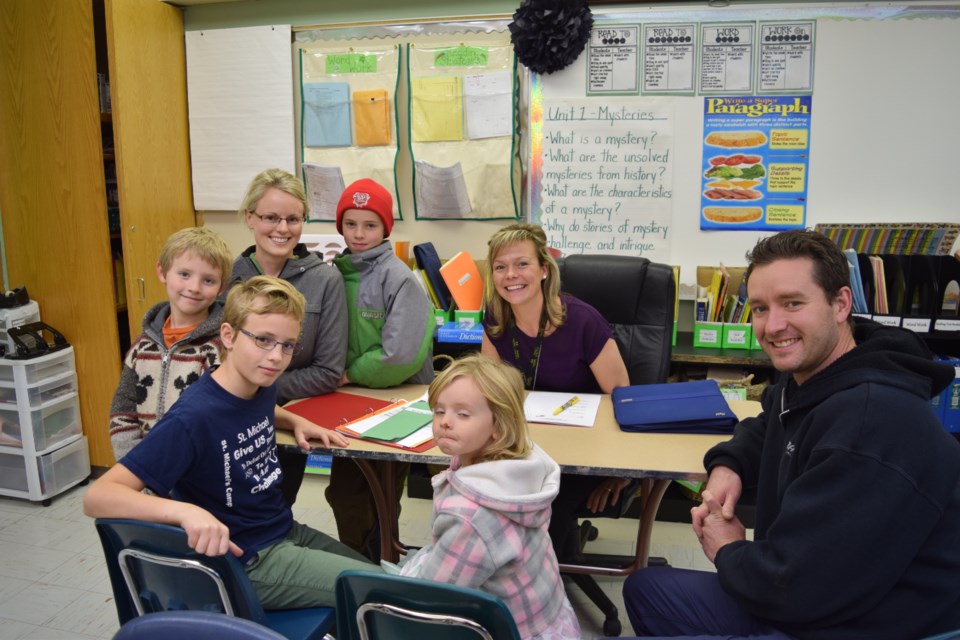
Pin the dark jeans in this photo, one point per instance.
(682, 603)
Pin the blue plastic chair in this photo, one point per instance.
(376, 605)
(193, 625)
(152, 569)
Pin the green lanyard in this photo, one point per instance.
(529, 375)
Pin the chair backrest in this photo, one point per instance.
(636, 297)
(153, 569)
(328, 245)
(193, 625)
(375, 605)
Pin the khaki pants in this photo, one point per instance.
(301, 570)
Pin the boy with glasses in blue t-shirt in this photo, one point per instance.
(216, 451)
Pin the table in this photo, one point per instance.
(604, 449)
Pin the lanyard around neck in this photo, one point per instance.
(530, 374)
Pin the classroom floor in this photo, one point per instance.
(54, 585)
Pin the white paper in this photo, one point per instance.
(542, 406)
(324, 188)
(241, 110)
(441, 191)
(488, 98)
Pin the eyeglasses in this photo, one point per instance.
(267, 344)
(273, 219)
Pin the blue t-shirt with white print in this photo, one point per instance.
(219, 452)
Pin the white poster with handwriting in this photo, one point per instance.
(607, 176)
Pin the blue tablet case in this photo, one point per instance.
(679, 407)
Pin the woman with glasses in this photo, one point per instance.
(274, 209)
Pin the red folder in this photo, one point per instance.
(335, 409)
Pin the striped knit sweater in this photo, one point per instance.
(154, 376)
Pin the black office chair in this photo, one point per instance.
(637, 298)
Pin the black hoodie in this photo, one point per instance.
(858, 498)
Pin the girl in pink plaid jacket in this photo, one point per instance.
(491, 508)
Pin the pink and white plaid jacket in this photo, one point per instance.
(490, 532)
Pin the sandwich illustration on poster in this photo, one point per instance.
(756, 154)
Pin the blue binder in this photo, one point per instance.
(679, 407)
(429, 261)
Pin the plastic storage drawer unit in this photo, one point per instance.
(37, 369)
(63, 468)
(38, 393)
(52, 423)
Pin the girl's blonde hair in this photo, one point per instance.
(274, 179)
(502, 387)
(497, 309)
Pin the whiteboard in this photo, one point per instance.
(240, 100)
(883, 142)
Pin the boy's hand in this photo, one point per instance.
(306, 430)
(206, 534)
(343, 380)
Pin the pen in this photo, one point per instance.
(566, 405)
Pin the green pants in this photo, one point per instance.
(300, 570)
(351, 501)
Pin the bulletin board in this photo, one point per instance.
(467, 163)
(621, 169)
(348, 120)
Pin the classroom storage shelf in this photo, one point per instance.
(43, 451)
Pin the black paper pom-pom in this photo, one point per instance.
(548, 35)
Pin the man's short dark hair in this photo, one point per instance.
(831, 271)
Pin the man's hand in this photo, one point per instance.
(716, 529)
(607, 492)
(725, 486)
(206, 534)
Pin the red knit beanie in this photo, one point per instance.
(367, 195)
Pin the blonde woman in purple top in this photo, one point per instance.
(558, 343)
(491, 508)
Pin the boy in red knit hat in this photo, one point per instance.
(390, 339)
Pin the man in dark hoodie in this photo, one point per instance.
(858, 485)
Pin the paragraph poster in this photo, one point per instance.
(607, 176)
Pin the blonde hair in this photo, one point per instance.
(261, 295)
(502, 387)
(207, 246)
(497, 309)
(274, 179)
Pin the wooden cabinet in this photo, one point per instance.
(52, 185)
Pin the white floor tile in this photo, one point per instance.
(83, 571)
(38, 603)
(92, 614)
(28, 562)
(15, 630)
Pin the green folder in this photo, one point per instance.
(411, 418)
